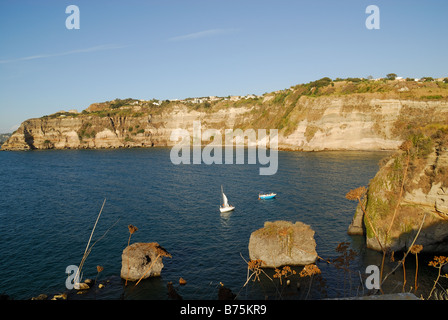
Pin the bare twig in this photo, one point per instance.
(256, 273)
(104, 234)
(87, 251)
(438, 263)
(407, 252)
(149, 268)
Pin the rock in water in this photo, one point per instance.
(142, 260)
(282, 243)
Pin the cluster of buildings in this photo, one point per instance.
(213, 99)
(410, 79)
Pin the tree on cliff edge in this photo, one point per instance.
(391, 76)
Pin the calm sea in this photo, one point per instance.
(49, 201)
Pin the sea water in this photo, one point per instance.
(50, 200)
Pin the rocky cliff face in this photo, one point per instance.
(116, 129)
(410, 190)
(340, 116)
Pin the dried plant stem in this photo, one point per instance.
(149, 268)
(404, 273)
(439, 262)
(256, 273)
(416, 271)
(382, 268)
(87, 251)
(132, 229)
(248, 278)
(435, 282)
(407, 252)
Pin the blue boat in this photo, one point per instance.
(266, 196)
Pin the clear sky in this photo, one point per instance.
(174, 49)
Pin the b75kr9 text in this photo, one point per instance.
(229, 309)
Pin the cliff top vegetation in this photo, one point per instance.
(390, 87)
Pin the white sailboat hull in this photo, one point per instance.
(226, 209)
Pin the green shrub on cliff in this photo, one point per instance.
(391, 76)
(320, 83)
(312, 88)
(422, 145)
(433, 97)
(86, 131)
(117, 103)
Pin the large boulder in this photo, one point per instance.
(142, 260)
(283, 243)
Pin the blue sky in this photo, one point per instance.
(170, 49)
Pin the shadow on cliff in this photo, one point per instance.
(29, 139)
(433, 236)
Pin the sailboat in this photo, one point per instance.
(225, 207)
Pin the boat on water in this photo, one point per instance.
(225, 207)
(266, 196)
